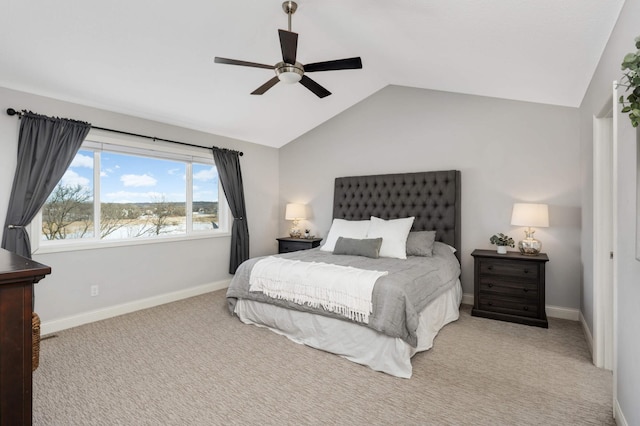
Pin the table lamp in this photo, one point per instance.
(295, 212)
(526, 214)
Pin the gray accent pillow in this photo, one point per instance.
(369, 247)
(420, 243)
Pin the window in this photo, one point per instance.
(126, 194)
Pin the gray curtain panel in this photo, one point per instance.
(228, 165)
(46, 147)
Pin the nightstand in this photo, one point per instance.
(288, 244)
(510, 287)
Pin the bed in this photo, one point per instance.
(406, 313)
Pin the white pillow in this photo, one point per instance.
(394, 235)
(347, 229)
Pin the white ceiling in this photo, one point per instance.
(154, 59)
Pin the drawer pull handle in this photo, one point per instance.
(490, 285)
(490, 268)
(525, 290)
(526, 271)
(526, 308)
(490, 303)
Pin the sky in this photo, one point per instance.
(128, 178)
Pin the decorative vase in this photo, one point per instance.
(502, 249)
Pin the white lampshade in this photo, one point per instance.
(295, 212)
(525, 214)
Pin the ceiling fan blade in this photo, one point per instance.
(320, 91)
(227, 61)
(338, 64)
(289, 46)
(268, 85)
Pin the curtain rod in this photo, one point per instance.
(11, 111)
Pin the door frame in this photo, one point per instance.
(604, 233)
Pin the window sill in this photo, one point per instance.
(63, 246)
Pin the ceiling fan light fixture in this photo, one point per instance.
(290, 71)
(289, 74)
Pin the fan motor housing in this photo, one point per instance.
(288, 73)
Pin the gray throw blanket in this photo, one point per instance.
(397, 297)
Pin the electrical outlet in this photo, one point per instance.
(94, 290)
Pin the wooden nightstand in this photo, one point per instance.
(510, 287)
(288, 244)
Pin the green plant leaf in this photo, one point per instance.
(629, 59)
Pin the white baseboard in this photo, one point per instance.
(562, 313)
(552, 311)
(587, 334)
(617, 414)
(467, 299)
(48, 327)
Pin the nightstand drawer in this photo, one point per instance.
(508, 305)
(506, 287)
(512, 268)
(289, 246)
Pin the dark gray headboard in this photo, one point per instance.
(433, 198)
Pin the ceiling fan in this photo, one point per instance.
(289, 70)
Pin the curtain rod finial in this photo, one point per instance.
(11, 111)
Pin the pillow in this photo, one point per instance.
(441, 248)
(354, 247)
(394, 235)
(347, 229)
(437, 246)
(420, 243)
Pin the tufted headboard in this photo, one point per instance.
(433, 198)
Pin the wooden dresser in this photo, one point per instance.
(17, 276)
(510, 287)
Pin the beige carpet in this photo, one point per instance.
(191, 363)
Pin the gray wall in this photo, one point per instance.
(127, 274)
(628, 268)
(507, 151)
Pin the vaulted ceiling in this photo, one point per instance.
(154, 59)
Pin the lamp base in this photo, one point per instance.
(530, 246)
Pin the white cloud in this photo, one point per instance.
(71, 178)
(82, 161)
(103, 174)
(173, 171)
(138, 180)
(205, 175)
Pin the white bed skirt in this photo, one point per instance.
(352, 341)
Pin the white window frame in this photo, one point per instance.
(99, 141)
